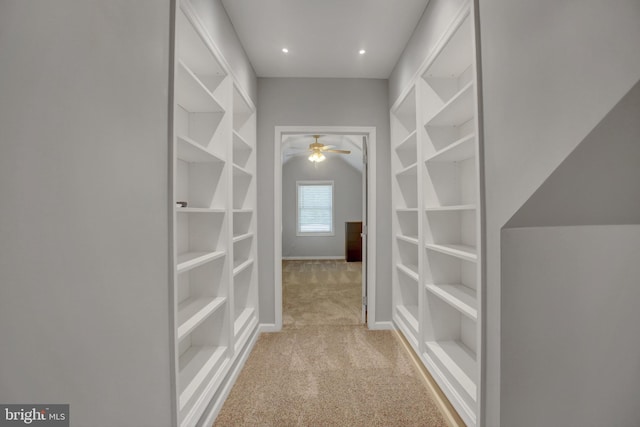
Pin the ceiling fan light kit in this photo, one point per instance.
(317, 149)
(316, 157)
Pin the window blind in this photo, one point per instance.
(315, 208)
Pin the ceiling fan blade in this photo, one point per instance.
(326, 147)
(338, 151)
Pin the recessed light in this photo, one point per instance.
(362, 51)
(285, 50)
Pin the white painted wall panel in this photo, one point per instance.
(570, 341)
(84, 224)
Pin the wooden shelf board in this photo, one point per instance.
(409, 239)
(190, 260)
(242, 320)
(237, 268)
(409, 314)
(409, 142)
(240, 142)
(458, 361)
(459, 251)
(409, 170)
(191, 94)
(242, 237)
(239, 171)
(409, 270)
(459, 297)
(190, 151)
(462, 149)
(451, 208)
(457, 111)
(201, 210)
(194, 311)
(243, 334)
(195, 365)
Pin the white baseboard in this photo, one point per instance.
(268, 327)
(303, 258)
(212, 412)
(382, 326)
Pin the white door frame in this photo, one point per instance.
(370, 133)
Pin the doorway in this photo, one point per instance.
(367, 137)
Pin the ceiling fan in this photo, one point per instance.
(318, 149)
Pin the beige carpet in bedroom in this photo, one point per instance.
(325, 368)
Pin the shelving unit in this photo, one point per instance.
(437, 217)
(405, 226)
(215, 302)
(243, 201)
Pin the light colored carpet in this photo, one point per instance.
(325, 368)
(323, 292)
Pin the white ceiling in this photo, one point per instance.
(297, 145)
(324, 36)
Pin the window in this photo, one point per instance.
(314, 208)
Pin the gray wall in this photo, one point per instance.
(216, 21)
(347, 193)
(551, 71)
(84, 310)
(570, 331)
(599, 182)
(322, 102)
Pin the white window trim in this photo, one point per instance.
(333, 211)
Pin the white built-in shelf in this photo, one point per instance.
(241, 265)
(194, 311)
(459, 109)
(191, 94)
(410, 270)
(189, 260)
(242, 327)
(243, 320)
(462, 149)
(201, 210)
(240, 211)
(458, 361)
(239, 171)
(459, 297)
(195, 365)
(409, 315)
(459, 251)
(451, 208)
(241, 237)
(455, 56)
(190, 151)
(409, 170)
(240, 143)
(408, 143)
(406, 209)
(409, 239)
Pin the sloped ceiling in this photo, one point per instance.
(298, 145)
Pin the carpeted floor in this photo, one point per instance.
(325, 368)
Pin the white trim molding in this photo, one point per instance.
(310, 258)
(370, 133)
